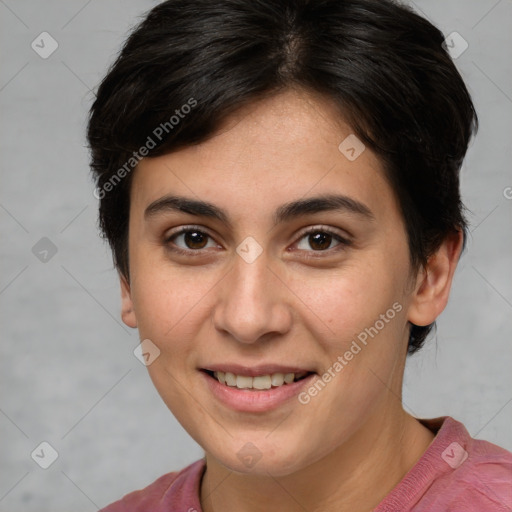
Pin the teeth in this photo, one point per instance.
(277, 379)
(230, 378)
(288, 378)
(243, 382)
(262, 382)
(259, 382)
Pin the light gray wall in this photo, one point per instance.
(68, 375)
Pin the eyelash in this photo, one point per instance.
(185, 252)
(343, 243)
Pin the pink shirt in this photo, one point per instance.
(456, 473)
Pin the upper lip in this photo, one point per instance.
(255, 371)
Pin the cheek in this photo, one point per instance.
(360, 317)
(170, 308)
(351, 299)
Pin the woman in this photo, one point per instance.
(279, 183)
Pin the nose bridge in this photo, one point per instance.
(251, 281)
(252, 304)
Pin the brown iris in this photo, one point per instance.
(319, 241)
(195, 239)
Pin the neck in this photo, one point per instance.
(355, 476)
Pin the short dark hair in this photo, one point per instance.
(382, 64)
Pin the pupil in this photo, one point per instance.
(195, 240)
(320, 241)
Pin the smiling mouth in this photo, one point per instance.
(260, 382)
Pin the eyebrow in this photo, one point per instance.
(319, 204)
(286, 212)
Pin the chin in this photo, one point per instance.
(259, 458)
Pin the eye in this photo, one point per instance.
(320, 240)
(191, 239)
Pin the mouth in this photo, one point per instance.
(257, 382)
(256, 389)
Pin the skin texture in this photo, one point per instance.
(353, 442)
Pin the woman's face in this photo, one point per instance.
(295, 260)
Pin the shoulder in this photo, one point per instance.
(472, 474)
(177, 489)
(457, 472)
(483, 481)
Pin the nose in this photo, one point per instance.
(253, 302)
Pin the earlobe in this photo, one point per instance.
(127, 310)
(434, 282)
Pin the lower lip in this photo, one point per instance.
(250, 400)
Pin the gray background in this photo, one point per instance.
(68, 374)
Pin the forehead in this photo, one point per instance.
(268, 153)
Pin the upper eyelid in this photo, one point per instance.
(302, 233)
(169, 238)
(324, 229)
(184, 229)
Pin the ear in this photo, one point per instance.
(434, 281)
(127, 310)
